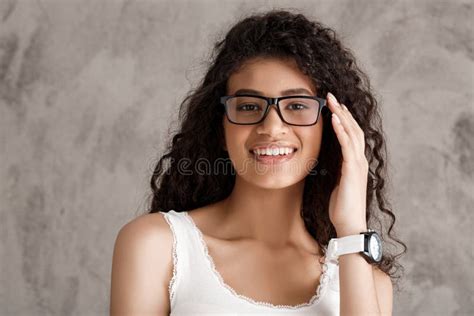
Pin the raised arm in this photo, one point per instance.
(363, 291)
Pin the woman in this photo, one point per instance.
(280, 151)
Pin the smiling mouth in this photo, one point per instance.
(273, 159)
(273, 152)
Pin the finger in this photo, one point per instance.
(337, 108)
(350, 124)
(356, 129)
(347, 146)
(344, 118)
(355, 126)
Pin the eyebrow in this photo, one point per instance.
(296, 91)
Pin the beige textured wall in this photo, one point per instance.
(88, 89)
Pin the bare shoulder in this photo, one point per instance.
(142, 267)
(384, 288)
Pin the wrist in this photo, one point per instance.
(356, 240)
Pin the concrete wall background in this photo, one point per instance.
(88, 89)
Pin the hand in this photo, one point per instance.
(347, 203)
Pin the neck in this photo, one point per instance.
(270, 216)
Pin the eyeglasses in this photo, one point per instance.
(247, 109)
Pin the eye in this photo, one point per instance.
(248, 107)
(297, 106)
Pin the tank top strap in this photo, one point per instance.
(189, 264)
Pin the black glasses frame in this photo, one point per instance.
(276, 102)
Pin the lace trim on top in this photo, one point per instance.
(324, 278)
(171, 286)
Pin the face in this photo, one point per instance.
(272, 77)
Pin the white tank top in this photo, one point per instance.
(197, 288)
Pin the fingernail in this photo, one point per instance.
(333, 98)
(338, 121)
(345, 107)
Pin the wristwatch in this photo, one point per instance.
(368, 244)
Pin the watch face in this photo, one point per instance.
(375, 247)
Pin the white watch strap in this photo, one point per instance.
(344, 245)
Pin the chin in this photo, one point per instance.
(272, 182)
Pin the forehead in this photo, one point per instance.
(271, 76)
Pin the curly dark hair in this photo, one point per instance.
(320, 55)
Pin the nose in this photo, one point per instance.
(272, 124)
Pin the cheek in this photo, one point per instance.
(236, 137)
(311, 140)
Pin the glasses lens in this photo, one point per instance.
(245, 110)
(299, 111)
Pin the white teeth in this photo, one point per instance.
(273, 151)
